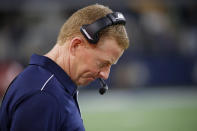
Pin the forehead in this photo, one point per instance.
(109, 50)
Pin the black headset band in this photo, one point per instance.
(91, 31)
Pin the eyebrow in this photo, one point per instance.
(111, 62)
(114, 61)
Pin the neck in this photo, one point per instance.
(60, 57)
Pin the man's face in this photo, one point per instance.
(92, 62)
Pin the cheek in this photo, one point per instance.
(91, 67)
(88, 62)
(88, 65)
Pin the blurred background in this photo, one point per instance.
(154, 85)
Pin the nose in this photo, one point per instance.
(104, 73)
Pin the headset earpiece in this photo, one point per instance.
(91, 31)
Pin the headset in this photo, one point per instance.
(91, 33)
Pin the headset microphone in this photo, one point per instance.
(103, 87)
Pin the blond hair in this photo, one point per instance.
(88, 15)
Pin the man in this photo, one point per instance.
(43, 96)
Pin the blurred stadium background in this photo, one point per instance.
(154, 85)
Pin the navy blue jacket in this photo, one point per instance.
(41, 98)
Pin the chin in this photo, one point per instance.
(84, 83)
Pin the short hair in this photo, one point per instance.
(88, 15)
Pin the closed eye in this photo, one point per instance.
(105, 64)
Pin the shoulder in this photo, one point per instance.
(40, 111)
(39, 101)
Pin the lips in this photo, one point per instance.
(90, 79)
(90, 76)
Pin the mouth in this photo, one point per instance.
(90, 79)
(87, 81)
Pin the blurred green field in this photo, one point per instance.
(141, 111)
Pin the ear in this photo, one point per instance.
(75, 45)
